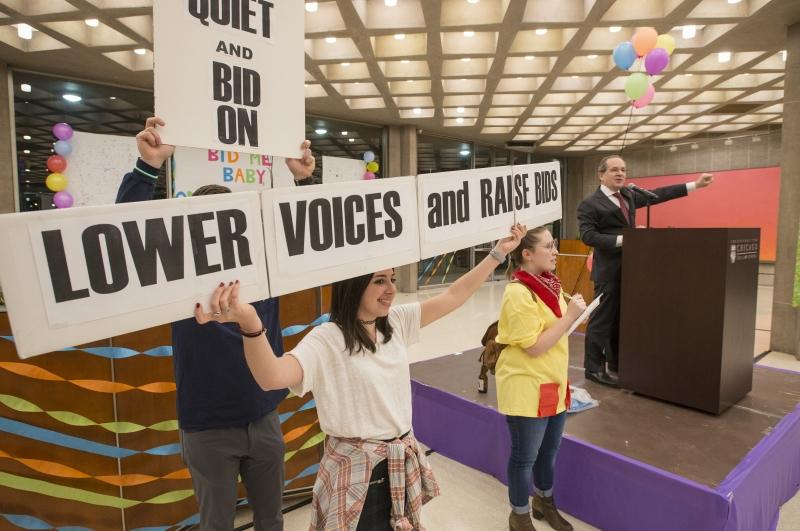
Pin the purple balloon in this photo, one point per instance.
(656, 61)
(63, 199)
(368, 176)
(62, 131)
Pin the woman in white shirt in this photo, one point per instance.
(356, 366)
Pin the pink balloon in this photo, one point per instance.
(656, 61)
(645, 100)
(63, 199)
(368, 176)
(62, 131)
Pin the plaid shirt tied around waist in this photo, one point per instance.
(343, 481)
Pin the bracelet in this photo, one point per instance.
(251, 334)
(494, 253)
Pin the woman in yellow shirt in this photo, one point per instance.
(531, 374)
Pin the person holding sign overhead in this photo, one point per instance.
(531, 375)
(373, 475)
(229, 425)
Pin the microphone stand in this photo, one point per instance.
(647, 204)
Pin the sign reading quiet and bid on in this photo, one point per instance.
(82, 274)
(229, 75)
(465, 208)
(319, 234)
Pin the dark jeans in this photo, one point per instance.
(602, 333)
(534, 445)
(376, 513)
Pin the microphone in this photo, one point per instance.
(648, 193)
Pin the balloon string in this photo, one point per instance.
(627, 127)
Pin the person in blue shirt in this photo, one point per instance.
(229, 425)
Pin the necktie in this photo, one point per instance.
(623, 205)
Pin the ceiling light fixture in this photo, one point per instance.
(459, 120)
(783, 55)
(464, 152)
(140, 51)
(466, 59)
(688, 32)
(695, 146)
(312, 7)
(728, 141)
(469, 33)
(320, 131)
(724, 57)
(399, 36)
(26, 137)
(592, 56)
(24, 31)
(92, 22)
(615, 29)
(688, 74)
(673, 149)
(25, 87)
(345, 64)
(756, 139)
(72, 98)
(529, 58)
(734, 1)
(330, 40)
(112, 97)
(473, 1)
(351, 139)
(541, 31)
(408, 81)
(390, 3)
(405, 61)
(460, 110)
(344, 133)
(417, 110)
(26, 151)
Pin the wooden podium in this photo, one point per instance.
(688, 313)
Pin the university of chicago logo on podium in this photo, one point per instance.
(733, 254)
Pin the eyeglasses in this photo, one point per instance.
(552, 245)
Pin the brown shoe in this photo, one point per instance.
(520, 522)
(546, 508)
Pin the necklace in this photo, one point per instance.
(367, 322)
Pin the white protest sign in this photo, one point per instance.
(458, 209)
(329, 232)
(341, 169)
(241, 172)
(82, 274)
(543, 201)
(229, 75)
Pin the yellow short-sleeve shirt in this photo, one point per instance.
(529, 386)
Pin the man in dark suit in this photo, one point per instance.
(602, 216)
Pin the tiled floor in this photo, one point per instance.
(472, 500)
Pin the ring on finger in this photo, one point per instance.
(216, 314)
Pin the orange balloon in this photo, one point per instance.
(644, 40)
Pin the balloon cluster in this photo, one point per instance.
(655, 49)
(372, 166)
(57, 163)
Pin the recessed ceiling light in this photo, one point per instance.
(734, 1)
(351, 139)
(345, 64)
(312, 7)
(399, 36)
(27, 169)
(592, 56)
(574, 77)
(688, 74)
(519, 77)
(615, 29)
(688, 32)
(417, 110)
(92, 22)
(320, 131)
(459, 120)
(460, 110)
(26, 137)
(469, 33)
(783, 55)
(344, 133)
(25, 87)
(464, 152)
(724, 57)
(24, 31)
(466, 59)
(405, 61)
(140, 51)
(390, 3)
(673, 148)
(358, 82)
(26, 151)
(473, 1)
(695, 146)
(728, 141)
(330, 40)
(72, 98)
(112, 97)
(541, 31)
(756, 139)
(529, 58)
(408, 81)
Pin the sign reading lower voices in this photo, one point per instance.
(459, 209)
(78, 275)
(229, 74)
(320, 234)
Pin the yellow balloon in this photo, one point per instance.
(56, 182)
(372, 166)
(666, 41)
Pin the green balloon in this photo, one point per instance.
(636, 85)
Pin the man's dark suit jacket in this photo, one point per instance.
(600, 221)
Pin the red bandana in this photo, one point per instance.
(546, 286)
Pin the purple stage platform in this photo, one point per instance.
(633, 463)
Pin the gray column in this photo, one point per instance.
(785, 336)
(7, 143)
(403, 162)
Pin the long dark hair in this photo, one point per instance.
(345, 300)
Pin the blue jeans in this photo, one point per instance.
(534, 445)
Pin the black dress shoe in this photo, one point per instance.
(601, 377)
